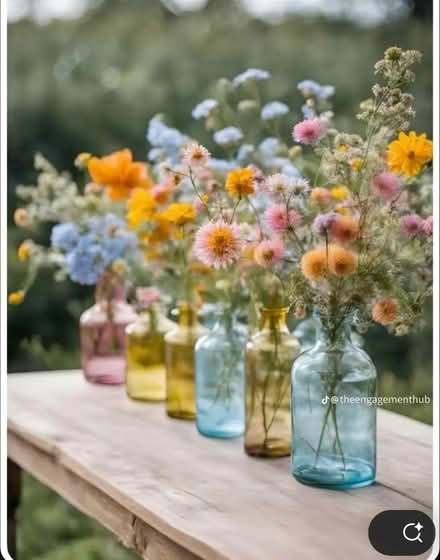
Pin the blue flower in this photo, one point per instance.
(245, 151)
(222, 165)
(270, 146)
(310, 87)
(308, 112)
(250, 74)
(86, 263)
(64, 236)
(228, 135)
(273, 110)
(203, 109)
(168, 139)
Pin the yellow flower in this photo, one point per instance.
(407, 154)
(118, 266)
(342, 148)
(179, 213)
(15, 298)
(356, 164)
(24, 251)
(339, 192)
(141, 207)
(119, 173)
(240, 182)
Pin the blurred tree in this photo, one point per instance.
(422, 9)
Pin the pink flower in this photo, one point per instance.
(278, 220)
(427, 226)
(269, 253)
(147, 296)
(411, 224)
(386, 185)
(161, 193)
(309, 131)
(218, 244)
(195, 155)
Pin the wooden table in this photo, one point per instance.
(171, 494)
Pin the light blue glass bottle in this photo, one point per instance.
(220, 377)
(334, 411)
(305, 332)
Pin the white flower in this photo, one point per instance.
(273, 110)
(228, 135)
(195, 155)
(310, 87)
(203, 109)
(245, 151)
(250, 74)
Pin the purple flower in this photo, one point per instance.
(323, 222)
(427, 226)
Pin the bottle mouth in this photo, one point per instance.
(274, 311)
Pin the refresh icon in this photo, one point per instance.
(418, 527)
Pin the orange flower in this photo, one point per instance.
(341, 262)
(320, 195)
(119, 173)
(385, 312)
(344, 229)
(22, 218)
(240, 182)
(24, 251)
(314, 263)
(15, 298)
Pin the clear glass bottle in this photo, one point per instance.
(220, 377)
(145, 374)
(179, 360)
(269, 357)
(305, 332)
(102, 332)
(334, 412)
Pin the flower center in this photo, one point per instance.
(411, 154)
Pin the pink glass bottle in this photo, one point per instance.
(102, 332)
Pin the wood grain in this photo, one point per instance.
(169, 493)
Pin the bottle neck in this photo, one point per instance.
(332, 334)
(274, 318)
(110, 288)
(187, 315)
(226, 318)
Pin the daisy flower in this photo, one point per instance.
(407, 154)
(241, 182)
(386, 185)
(195, 155)
(269, 253)
(385, 311)
(309, 130)
(279, 220)
(278, 185)
(218, 244)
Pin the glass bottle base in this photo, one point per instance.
(105, 370)
(356, 474)
(271, 448)
(221, 433)
(182, 414)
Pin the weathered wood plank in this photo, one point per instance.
(205, 495)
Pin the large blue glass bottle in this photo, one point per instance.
(334, 412)
(220, 377)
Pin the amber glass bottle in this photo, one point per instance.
(179, 359)
(269, 357)
(145, 355)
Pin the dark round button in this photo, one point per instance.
(401, 532)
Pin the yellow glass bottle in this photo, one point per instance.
(270, 354)
(145, 355)
(179, 359)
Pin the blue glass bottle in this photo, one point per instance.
(334, 411)
(220, 377)
(305, 332)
